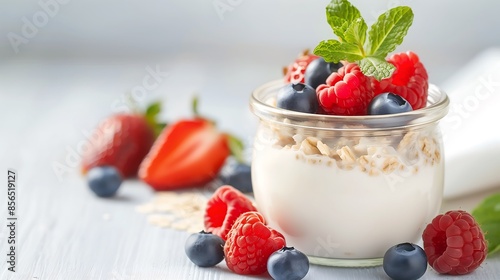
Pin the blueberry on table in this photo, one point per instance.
(104, 181)
(288, 263)
(318, 71)
(298, 97)
(388, 103)
(204, 249)
(238, 175)
(405, 261)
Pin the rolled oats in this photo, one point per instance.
(346, 155)
(312, 140)
(307, 148)
(408, 140)
(372, 156)
(182, 211)
(324, 149)
(390, 164)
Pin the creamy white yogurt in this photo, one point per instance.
(326, 211)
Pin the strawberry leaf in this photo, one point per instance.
(335, 51)
(236, 147)
(153, 110)
(151, 116)
(389, 30)
(377, 67)
(194, 106)
(487, 215)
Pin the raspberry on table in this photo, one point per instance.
(454, 243)
(346, 92)
(409, 80)
(250, 243)
(223, 208)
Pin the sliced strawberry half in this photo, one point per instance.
(188, 153)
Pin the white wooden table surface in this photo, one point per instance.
(65, 232)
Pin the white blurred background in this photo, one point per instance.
(445, 33)
(64, 63)
(271, 30)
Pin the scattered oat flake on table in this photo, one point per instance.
(177, 210)
(145, 208)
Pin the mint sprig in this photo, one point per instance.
(487, 215)
(332, 50)
(389, 30)
(341, 14)
(376, 67)
(352, 44)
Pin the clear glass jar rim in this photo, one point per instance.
(436, 109)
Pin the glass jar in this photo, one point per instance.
(344, 189)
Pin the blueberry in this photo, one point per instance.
(388, 103)
(204, 249)
(298, 97)
(288, 264)
(405, 261)
(319, 70)
(239, 176)
(104, 181)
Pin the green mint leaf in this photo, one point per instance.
(356, 32)
(377, 67)
(340, 15)
(335, 51)
(389, 30)
(487, 215)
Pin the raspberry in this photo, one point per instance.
(294, 73)
(223, 208)
(409, 80)
(250, 243)
(454, 243)
(347, 92)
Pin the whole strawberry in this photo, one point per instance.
(122, 141)
(454, 243)
(295, 72)
(250, 243)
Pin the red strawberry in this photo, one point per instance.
(347, 92)
(121, 141)
(187, 153)
(250, 243)
(454, 243)
(294, 73)
(409, 80)
(223, 208)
